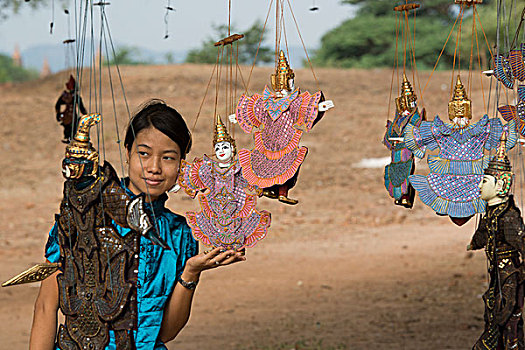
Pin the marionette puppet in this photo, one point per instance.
(228, 217)
(509, 68)
(516, 112)
(97, 283)
(277, 119)
(402, 163)
(67, 107)
(451, 188)
(501, 232)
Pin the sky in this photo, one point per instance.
(141, 23)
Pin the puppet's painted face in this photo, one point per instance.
(460, 111)
(287, 89)
(75, 168)
(488, 188)
(406, 104)
(224, 151)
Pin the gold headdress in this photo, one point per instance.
(406, 98)
(283, 74)
(459, 106)
(81, 148)
(500, 167)
(221, 134)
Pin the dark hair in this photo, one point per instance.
(158, 114)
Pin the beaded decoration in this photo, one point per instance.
(512, 68)
(451, 188)
(228, 217)
(517, 112)
(277, 155)
(401, 159)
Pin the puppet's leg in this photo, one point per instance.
(513, 330)
(407, 199)
(67, 133)
(284, 188)
(280, 191)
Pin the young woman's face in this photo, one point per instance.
(154, 162)
(224, 151)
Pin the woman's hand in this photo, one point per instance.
(210, 260)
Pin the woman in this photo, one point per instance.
(156, 141)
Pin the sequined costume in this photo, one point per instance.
(451, 188)
(500, 232)
(517, 112)
(401, 159)
(509, 68)
(97, 289)
(228, 217)
(277, 119)
(276, 156)
(158, 269)
(67, 107)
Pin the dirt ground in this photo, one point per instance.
(344, 269)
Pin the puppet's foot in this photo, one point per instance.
(270, 193)
(460, 221)
(287, 200)
(404, 202)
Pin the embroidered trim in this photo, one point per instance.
(253, 179)
(293, 144)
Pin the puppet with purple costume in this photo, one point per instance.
(228, 217)
(278, 120)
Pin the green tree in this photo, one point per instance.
(207, 53)
(8, 7)
(127, 55)
(10, 72)
(369, 40)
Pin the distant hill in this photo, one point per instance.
(34, 56)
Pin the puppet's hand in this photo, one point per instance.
(140, 221)
(469, 247)
(174, 189)
(326, 105)
(232, 118)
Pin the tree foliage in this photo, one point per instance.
(10, 72)
(207, 53)
(8, 7)
(128, 55)
(369, 39)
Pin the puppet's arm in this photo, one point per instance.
(190, 177)
(497, 128)
(127, 211)
(386, 139)
(514, 229)
(310, 112)
(81, 107)
(248, 112)
(479, 239)
(419, 138)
